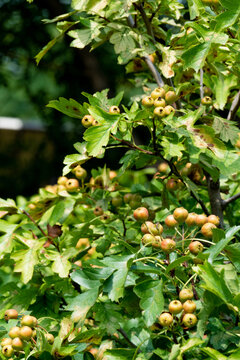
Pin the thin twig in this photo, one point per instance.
(39, 227)
(155, 12)
(149, 63)
(124, 334)
(201, 84)
(146, 20)
(228, 201)
(234, 107)
(132, 146)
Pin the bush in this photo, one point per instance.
(142, 262)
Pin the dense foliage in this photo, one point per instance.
(142, 263)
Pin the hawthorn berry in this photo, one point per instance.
(165, 319)
(170, 97)
(72, 185)
(191, 219)
(168, 245)
(11, 314)
(180, 214)
(25, 333)
(195, 247)
(189, 320)
(114, 110)
(159, 111)
(175, 307)
(170, 221)
(213, 219)
(207, 228)
(147, 101)
(185, 294)
(189, 306)
(201, 219)
(87, 121)
(141, 214)
(148, 239)
(158, 92)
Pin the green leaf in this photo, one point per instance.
(214, 354)
(98, 136)
(61, 211)
(226, 129)
(93, 336)
(231, 5)
(119, 354)
(115, 284)
(195, 8)
(8, 205)
(82, 279)
(172, 149)
(50, 44)
(73, 160)
(235, 355)
(226, 19)
(25, 260)
(177, 262)
(66, 328)
(6, 241)
(223, 84)
(214, 282)
(60, 265)
(233, 253)
(89, 5)
(215, 250)
(68, 107)
(84, 36)
(195, 56)
(190, 344)
(123, 41)
(81, 304)
(109, 316)
(152, 300)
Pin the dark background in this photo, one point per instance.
(30, 158)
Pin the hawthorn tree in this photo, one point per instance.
(143, 262)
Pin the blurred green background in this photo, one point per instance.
(32, 156)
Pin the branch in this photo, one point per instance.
(176, 172)
(201, 84)
(225, 203)
(123, 333)
(215, 198)
(146, 20)
(132, 146)
(30, 217)
(150, 65)
(234, 107)
(155, 12)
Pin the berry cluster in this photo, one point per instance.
(160, 100)
(20, 335)
(185, 306)
(153, 231)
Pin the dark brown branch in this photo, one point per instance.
(201, 84)
(176, 172)
(132, 146)
(155, 12)
(39, 227)
(123, 333)
(146, 20)
(225, 203)
(215, 198)
(234, 107)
